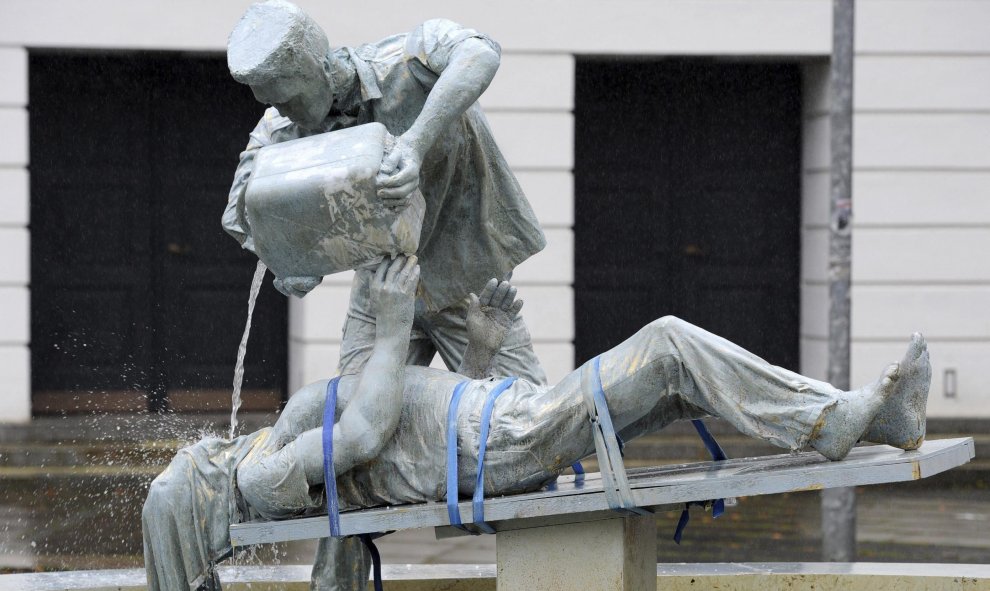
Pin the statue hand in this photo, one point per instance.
(490, 315)
(398, 176)
(393, 294)
(296, 286)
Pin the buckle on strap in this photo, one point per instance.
(615, 483)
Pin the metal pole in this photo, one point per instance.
(839, 504)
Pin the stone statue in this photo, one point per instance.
(390, 421)
(423, 87)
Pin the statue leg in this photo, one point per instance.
(671, 370)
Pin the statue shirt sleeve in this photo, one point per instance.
(234, 220)
(433, 42)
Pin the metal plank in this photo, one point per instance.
(661, 486)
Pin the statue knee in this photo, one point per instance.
(667, 324)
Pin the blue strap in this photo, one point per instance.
(608, 445)
(478, 502)
(718, 455)
(453, 511)
(376, 558)
(578, 473)
(718, 507)
(329, 476)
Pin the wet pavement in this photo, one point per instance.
(75, 503)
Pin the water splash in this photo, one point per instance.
(235, 398)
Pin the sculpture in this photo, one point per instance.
(477, 227)
(394, 415)
(423, 87)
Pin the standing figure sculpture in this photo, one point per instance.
(423, 86)
(390, 420)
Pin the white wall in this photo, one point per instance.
(921, 154)
(529, 104)
(921, 192)
(815, 188)
(15, 370)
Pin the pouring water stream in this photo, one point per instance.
(235, 399)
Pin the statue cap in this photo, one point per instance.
(267, 39)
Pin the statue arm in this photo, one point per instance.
(489, 319)
(467, 74)
(462, 78)
(372, 414)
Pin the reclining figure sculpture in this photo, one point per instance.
(390, 420)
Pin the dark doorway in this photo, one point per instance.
(687, 182)
(138, 296)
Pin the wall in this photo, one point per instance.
(15, 362)
(921, 192)
(815, 190)
(921, 154)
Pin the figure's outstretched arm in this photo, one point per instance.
(372, 414)
(489, 318)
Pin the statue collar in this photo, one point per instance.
(366, 87)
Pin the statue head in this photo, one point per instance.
(283, 55)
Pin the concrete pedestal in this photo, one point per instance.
(613, 554)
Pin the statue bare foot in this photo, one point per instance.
(843, 424)
(901, 420)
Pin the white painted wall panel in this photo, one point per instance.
(535, 140)
(15, 375)
(14, 267)
(342, 278)
(946, 83)
(551, 193)
(814, 255)
(557, 359)
(553, 265)
(938, 312)
(15, 201)
(14, 135)
(921, 198)
(921, 255)
(814, 149)
(319, 317)
(815, 198)
(15, 316)
(310, 362)
(951, 141)
(532, 82)
(814, 358)
(700, 27)
(13, 76)
(549, 312)
(969, 359)
(922, 26)
(814, 310)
